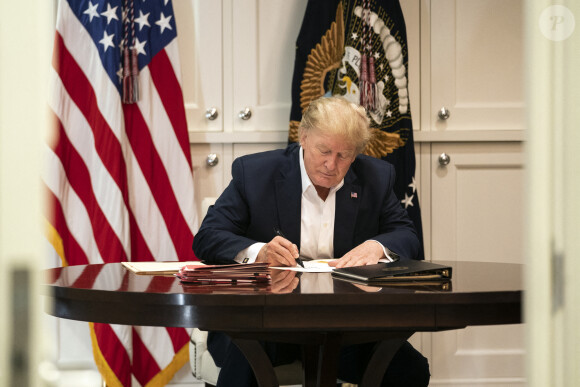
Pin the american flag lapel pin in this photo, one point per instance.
(353, 195)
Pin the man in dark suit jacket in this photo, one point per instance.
(328, 201)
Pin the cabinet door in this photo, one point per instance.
(482, 356)
(477, 202)
(208, 177)
(212, 175)
(477, 215)
(477, 64)
(264, 36)
(199, 36)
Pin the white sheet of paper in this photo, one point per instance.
(313, 266)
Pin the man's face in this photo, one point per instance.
(326, 158)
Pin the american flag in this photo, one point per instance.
(119, 177)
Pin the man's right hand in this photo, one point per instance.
(279, 252)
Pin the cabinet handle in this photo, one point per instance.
(212, 160)
(444, 159)
(443, 113)
(245, 114)
(211, 113)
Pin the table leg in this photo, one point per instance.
(310, 354)
(319, 361)
(381, 359)
(328, 360)
(259, 361)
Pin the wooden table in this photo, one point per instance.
(321, 313)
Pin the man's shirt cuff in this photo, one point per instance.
(388, 253)
(249, 255)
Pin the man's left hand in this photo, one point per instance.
(367, 253)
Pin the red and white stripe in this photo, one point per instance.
(119, 185)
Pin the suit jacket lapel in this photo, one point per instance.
(288, 199)
(347, 205)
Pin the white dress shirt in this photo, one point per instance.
(317, 218)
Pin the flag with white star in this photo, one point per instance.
(336, 38)
(119, 179)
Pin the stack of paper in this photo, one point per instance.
(226, 288)
(251, 273)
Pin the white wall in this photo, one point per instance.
(553, 205)
(25, 45)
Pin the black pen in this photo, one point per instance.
(279, 233)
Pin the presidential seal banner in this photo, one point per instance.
(358, 49)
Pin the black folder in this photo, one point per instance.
(394, 272)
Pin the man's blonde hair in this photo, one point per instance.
(337, 116)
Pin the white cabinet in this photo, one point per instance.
(238, 55)
(472, 169)
(208, 177)
(200, 38)
(478, 356)
(472, 65)
(477, 207)
(235, 55)
(477, 215)
(477, 71)
(263, 37)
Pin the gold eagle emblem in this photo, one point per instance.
(327, 56)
